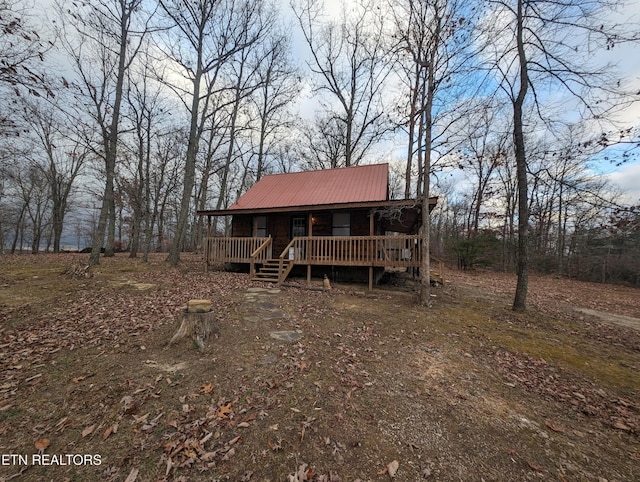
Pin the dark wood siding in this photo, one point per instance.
(322, 224)
(242, 225)
(360, 223)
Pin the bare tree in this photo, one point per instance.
(107, 34)
(34, 197)
(204, 35)
(245, 65)
(164, 176)
(349, 61)
(546, 44)
(22, 50)
(278, 86)
(59, 156)
(485, 149)
(146, 109)
(432, 37)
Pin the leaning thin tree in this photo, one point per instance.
(433, 47)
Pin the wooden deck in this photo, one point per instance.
(236, 250)
(398, 251)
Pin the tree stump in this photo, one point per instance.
(196, 321)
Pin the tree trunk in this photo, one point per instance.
(520, 299)
(110, 141)
(425, 268)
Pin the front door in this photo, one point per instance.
(298, 230)
(298, 226)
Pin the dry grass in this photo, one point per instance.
(465, 391)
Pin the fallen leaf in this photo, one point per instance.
(392, 468)
(233, 440)
(534, 467)
(128, 404)
(621, 426)
(224, 411)
(89, 430)
(42, 443)
(107, 432)
(553, 426)
(142, 418)
(230, 453)
(250, 418)
(247, 476)
(133, 475)
(300, 475)
(208, 388)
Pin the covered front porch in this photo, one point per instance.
(272, 241)
(376, 251)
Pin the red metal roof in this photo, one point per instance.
(312, 188)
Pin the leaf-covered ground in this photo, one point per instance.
(376, 386)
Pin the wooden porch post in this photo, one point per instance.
(309, 233)
(371, 231)
(206, 245)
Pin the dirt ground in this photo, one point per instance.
(367, 387)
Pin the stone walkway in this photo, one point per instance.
(258, 306)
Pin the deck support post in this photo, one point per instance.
(371, 247)
(308, 254)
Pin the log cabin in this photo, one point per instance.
(331, 220)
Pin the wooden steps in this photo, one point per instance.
(270, 271)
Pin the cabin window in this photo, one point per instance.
(341, 224)
(298, 226)
(260, 226)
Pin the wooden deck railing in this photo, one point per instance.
(263, 253)
(237, 249)
(385, 251)
(379, 251)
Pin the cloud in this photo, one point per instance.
(627, 178)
